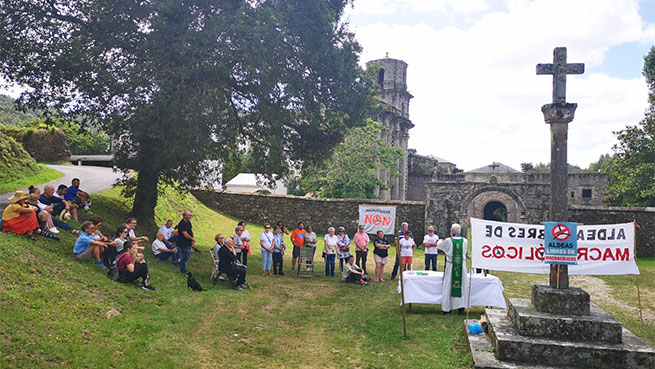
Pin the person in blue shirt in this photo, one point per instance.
(77, 196)
(87, 247)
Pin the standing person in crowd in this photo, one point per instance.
(227, 263)
(352, 273)
(131, 268)
(330, 249)
(238, 242)
(407, 248)
(267, 242)
(87, 247)
(76, 196)
(170, 233)
(185, 239)
(430, 241)
(20, 218)
(245, 238)
(298, 240)
(455, 279)
(343, 243)
(361, 240)
(283, 229)
(131, 226)
(381, 255)
(404, 227)
(163, 251)
(278, 251)
(310, 242)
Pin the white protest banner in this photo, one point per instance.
(606, 249)
(375, 218)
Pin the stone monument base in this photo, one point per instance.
(523, 337)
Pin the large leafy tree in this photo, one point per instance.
(177, 83)
(632, 180)
(351, 169)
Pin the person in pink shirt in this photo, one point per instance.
(361, 247)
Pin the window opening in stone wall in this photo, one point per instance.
(572, 194)
(495, 210)
(586, 194)
(381, 77)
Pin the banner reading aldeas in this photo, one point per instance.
(605, 249)
(375, 218)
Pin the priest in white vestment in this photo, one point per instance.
(455, 288)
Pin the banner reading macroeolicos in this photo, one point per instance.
(606, 249)
(375, 218)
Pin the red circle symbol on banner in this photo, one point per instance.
(377, 220)
(561, 232)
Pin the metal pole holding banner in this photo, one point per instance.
(468, 302)
(402, 283)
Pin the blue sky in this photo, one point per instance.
(472, 71)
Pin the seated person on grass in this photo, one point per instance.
(20, 218)
(60, 193)
(131, 267)
(170, 233)
(97, 224)
(46, 214)
(59, 206)
(76, 196)
(131, 226)
(87, 247)
(163, 251)
(352, 273)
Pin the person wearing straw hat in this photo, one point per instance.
(19, 217)
(455, 278)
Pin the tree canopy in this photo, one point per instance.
(179, 83)
(351, 168)
(632, 180)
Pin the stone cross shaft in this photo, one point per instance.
(559, 114)
(559, 69)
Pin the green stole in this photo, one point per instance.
(458, 258)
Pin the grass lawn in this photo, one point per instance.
(53, 310)
(43, 175)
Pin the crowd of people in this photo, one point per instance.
(41, 213)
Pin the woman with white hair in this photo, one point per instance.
(455, 277)
(330, 250)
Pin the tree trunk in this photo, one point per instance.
(145, 198)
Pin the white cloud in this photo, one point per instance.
(391, 6)
(477, 97)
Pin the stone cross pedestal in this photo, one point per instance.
(559, 327)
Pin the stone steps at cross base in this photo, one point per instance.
(482, 354)
(598, 326)
(508, 345)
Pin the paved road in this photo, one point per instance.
(92, 179)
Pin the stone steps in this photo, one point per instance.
(510, 346)
(598, 326)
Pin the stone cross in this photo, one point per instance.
(493, 166)
(559, 69)
(558, 114)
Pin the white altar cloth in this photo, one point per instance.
(424, 287)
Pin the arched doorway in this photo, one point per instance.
(495, 210)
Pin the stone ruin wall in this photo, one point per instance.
(447, 203)
(319, 213)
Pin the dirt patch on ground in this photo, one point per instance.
(600, 291)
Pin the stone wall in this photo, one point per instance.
(320, 213)
(645, 218)
(417, 186)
